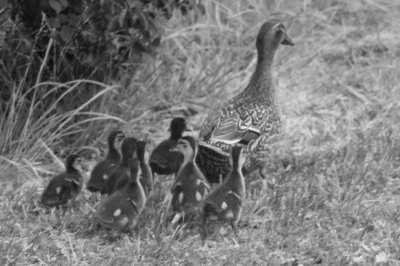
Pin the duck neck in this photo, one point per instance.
(113, 154)
(175, 135)
(146, 171)
(187, 160)
(261, 83)
(125, 162)
(72, 170)
(236, 180)
(134, 169)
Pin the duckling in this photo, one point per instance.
(251, 118)
(190, 186)
(163, 161)
(64, 188)
(146, 175)
(225, 203)
(103, 170)
(121, 175)
(121, 210)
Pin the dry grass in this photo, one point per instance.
(338, 202)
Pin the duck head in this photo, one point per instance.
(128, 148)
(75, 163)
(177, 127)
(115, 139)
(188, 147)
(272, 33)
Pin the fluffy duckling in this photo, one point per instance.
(103, 170)
(121, 175)
(225, 203)
(145, 175)
(121, 210)
(190, 186)
(64, 188)
(163, 161)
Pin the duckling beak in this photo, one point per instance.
(287, 40)
(189, 129)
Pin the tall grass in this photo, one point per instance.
(334, 200)
(32, 132)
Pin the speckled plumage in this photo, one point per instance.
(104, 169)
(225, 203)
(190, 186)
(64, 188)
(252, 117)
(122, 174)
(121, 210)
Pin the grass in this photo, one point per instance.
(337, 202)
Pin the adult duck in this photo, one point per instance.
(251, 118)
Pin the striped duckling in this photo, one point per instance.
(163, 161)
(121, 210)
(190, 186)
(103, 170)
(225, 203)
(64, 188)
(251, 118)
(122, 174)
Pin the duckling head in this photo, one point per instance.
(115, 139)
(272, 33)
(75, 163)
(177, 127)
(187, 145)
(128, 148)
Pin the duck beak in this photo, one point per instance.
(286, 39)
(188, 129)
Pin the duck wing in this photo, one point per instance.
(62, 189)
(234, 123)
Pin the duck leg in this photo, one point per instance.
(234, 227)
(203, 232)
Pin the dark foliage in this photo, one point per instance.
(64, 40)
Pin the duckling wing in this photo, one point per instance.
(100, 174)
(61, 189)
(117, 180)
(163, 161)
(117, 212)
(222, 204)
